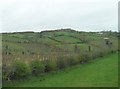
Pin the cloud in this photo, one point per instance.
(37, 15)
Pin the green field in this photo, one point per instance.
(102, 72)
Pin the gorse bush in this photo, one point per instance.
(50, 65)
(19, 70)
(37, 67)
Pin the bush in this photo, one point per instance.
(72, 60)
(85, 57)
(91, 55)
(101, 54)
(61, 62)
(37, 67)
(5, 72)
(50, 65)
(94, 55)
(19, 70)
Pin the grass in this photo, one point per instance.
(102, 72)
(67, 39)
(42, 44)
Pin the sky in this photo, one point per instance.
(39, 15)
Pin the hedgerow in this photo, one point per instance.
(19, 69)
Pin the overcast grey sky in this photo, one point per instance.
(38, 15)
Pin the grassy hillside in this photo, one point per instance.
(30, 45)
(28, 54)
(102, 72)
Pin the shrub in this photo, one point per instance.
(101, 54)
(5, 72)
(50, 65)
(19, 70)
(37, 67)
(89, 56)
(85, 57)
(94, 55)
(82, 59)
(61, 62)
(72, 60)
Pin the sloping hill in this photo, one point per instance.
(30, 45)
